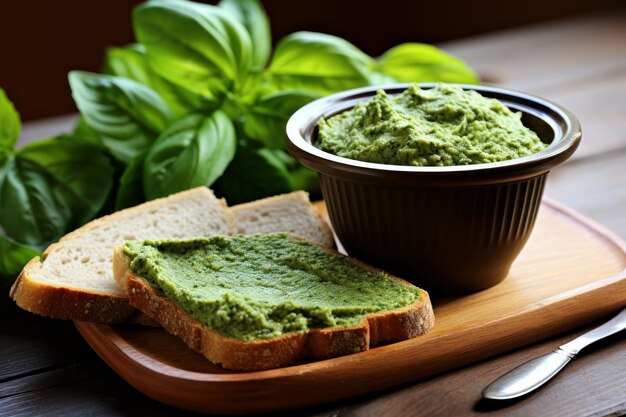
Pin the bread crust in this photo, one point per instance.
(230, 219)
(66, 303)
(320, 343)
(328, 233)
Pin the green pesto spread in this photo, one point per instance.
(441, 126)
(262, 286)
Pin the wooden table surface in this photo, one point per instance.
(47, 369)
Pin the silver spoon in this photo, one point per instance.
(532, 374)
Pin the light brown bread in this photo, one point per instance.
(411, 321)
(291, 213)
(75, 279)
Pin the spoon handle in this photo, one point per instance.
(536, 372)
(616, 324)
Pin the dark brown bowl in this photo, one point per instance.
(451, 230)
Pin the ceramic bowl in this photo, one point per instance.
(451, 230)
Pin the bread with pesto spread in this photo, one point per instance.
(75, 278)
(208, 318)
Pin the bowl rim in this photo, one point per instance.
(566, 128)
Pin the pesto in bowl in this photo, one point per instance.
(441, 126)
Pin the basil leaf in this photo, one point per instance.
(199, 47)
(302, 178)
(126, 115)
(254, 173)
(9, 124)
(131, 62)
(13, 257)
(51, 187)
(305, 179)
(84, 134)
(130, 192)
(378, 78)
(194, 151)
(251, 14)
(266, 118)
(418, 62)
(318, 63)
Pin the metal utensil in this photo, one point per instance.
(536, 372)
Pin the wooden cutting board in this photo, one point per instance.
(571, 272)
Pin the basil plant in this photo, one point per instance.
(201, 99)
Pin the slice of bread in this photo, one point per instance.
(291, 213)
(394, 325)
(75, 279)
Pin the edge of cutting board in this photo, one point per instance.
(530, 305)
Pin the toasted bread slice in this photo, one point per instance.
(291, 213)
(75, 279)
(393, 325)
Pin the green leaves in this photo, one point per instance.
(130, 192)
(251, 15)
(318, 63)
(266, 118)
(13, 257)
(84, 134)
(126, 115)
(194, 151)
(198, 59)
(199, 47)
(51, 187)
(131, 62)
(254, 173)
(9, 124)
(326, 64)
(418, 62)
(206, 66)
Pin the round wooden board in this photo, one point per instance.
(571, 272)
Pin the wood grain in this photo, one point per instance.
(570, 273)
(591, 385)
(83, 389)
(578, 63)
(576, 60)
(550, 56)
(23, 353)
(596, 187)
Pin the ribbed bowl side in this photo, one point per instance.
(447, 240)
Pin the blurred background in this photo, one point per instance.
(42, 41)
